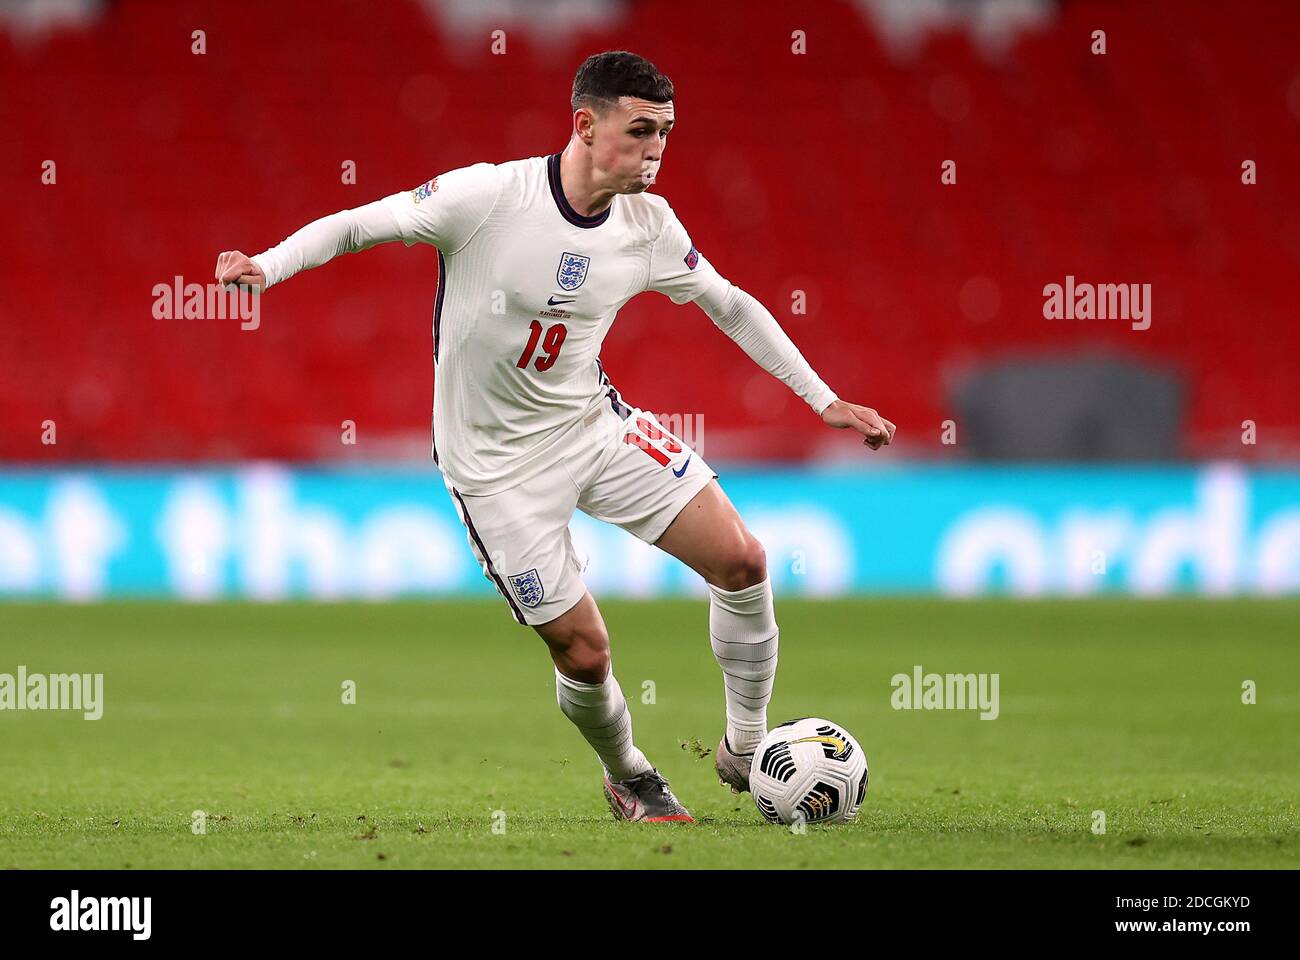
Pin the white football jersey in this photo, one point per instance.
(527, 290)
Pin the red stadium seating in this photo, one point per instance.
(816, 172)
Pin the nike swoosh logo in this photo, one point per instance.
(552, 302)
(678, 473)
(628, 812)
(839, 745)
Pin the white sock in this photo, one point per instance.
(743, 632)
(599, 711)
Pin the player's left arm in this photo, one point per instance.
(751, 325)
(683, 274)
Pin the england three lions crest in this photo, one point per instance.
(572, 271)
(528, 587)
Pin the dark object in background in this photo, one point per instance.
(1056, 407)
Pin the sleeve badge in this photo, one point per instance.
(424, 189)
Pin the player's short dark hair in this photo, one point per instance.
(605, 77)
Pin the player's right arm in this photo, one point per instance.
(445, 212)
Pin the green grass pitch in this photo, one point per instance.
(1129, 707)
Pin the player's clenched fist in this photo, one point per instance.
(234, 267)
(876, 429)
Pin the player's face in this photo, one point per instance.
(628, 142)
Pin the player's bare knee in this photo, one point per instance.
(743, 566)
(585, 658)
(579, 647)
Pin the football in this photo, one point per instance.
(809, 771)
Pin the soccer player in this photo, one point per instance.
(535, 258)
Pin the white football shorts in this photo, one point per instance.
(625, 469)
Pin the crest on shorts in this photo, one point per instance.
(572, 271)
(528, 587)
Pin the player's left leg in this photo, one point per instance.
(656, 487)
(709, 536)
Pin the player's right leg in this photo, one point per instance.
(521, 540)
(590, 696)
